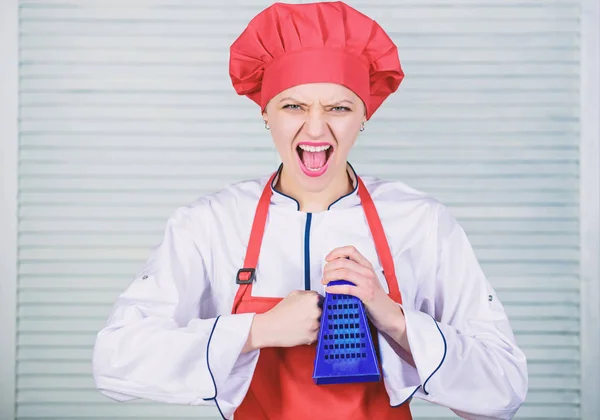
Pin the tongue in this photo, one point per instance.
(314, 160)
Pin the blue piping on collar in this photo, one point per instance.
(280, 193)
(298, 203)
(351, 192)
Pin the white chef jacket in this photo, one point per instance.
(171, 336)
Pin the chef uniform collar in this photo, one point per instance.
(346, 201)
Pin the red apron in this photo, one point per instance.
(282, 386)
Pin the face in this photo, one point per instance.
(314, 126)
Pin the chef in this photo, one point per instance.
(226, 310)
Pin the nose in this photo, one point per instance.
(315, 125)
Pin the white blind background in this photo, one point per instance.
(127, 111)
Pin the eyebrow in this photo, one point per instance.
(302, 103)
(342, 101)
(289, 98)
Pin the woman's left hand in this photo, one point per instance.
(386, 315)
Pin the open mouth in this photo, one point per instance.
(314, 158)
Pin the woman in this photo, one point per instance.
(226, 310)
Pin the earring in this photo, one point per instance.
(363, 126)
(266, 126)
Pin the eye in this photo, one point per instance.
(291, 106)
(341, 109)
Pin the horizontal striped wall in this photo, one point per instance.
(126, 112)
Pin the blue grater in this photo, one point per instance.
(345, 351)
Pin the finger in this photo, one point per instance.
(314, 295)
(350, 252)
(346, 274)
(343, 263)
(321, 300)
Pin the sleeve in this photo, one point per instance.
(464, 352)
(164, 340)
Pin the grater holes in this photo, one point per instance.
(342, 343)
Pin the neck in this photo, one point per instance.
(313, 202)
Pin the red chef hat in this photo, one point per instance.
(290, 44)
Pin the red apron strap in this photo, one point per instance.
(381, 243)
(246, 275)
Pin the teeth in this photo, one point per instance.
(314, 148)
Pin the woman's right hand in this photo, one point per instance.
(292, 322)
